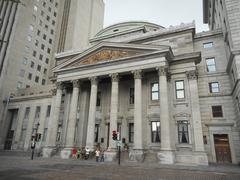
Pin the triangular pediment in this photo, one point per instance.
(106, 52)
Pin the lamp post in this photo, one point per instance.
(34, 139)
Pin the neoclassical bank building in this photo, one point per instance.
(165, 90)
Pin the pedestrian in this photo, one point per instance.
(87, 153)
(78, 153)
(74, 153)
(102, 156)
(97, 152)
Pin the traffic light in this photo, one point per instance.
(114, 135)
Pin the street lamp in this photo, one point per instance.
(34, 139)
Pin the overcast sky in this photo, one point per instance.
(162, 12)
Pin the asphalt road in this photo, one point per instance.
(20, 168)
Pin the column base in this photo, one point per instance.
(66, 153)
(48, 151)
(136, 155)
(166, 157)
(110, 155)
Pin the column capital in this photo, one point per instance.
(76, 83)
(137, 74)
(94, 80)
(162, 70)
(192, 75)
(59, 85)
(54, 92)
(115, 77)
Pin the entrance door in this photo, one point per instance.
(222, 148)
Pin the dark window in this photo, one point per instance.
(30, 76)
(45, 134)
(40, 57)
(44, 36)
(49, 50)
(131, 132)
(39, 68)
(154, 91)
(211, 65)
(179, 85)
(214, 87)
(183, 136)
(43, 81)
(37, 113)
(155, 131)
(131, 96)
(36, 79)
(45, 71)
(26, 115)
(42, 46)
(217, 111)
(48, 111)
(47, 60)
(34, 53)
(96, 132)
(50, 41)
(32, 64)
(98, 99)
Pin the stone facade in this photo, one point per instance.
(167, 91)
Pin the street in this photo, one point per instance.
(14, 167)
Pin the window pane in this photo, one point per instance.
(179, 85)
(155, 87)
(180, 94)
(183, 132)
(155, 131)
(155, 96)
(217, 111)
(208, 45)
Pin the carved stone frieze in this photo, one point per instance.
(59, 85)
(162, 71)
(105, 55)
(54, 92)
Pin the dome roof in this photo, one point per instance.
(127, 26)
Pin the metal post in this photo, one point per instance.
(33, 144)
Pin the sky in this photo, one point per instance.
(162, 12)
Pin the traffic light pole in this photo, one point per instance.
(119, 154)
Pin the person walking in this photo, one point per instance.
(102, 156)
(97, 152)
(87, 152)
(79, 153)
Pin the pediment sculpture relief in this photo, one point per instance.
(105, 55)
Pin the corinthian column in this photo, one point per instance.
(53, 123)
(137, 153)
(166, 155)
(72, 115)
(92, 113)
(113, 109)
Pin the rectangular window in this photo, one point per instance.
(211, 65)
(207, 45)
(27, 111)
(45, 71)
(25, 61)
(30, 76)
(183, 136)
(36, 42)
(98, 99)
(34, 53)
(49, 50)
(131, 96)
(47, 60)
(22, 73)
(96, 132)
(48, 111)
(44, 134)
(217, 111)
(19, 85)
(154, 91)
(37, 113)
(40, 57)
(214, 87)
(44, 36)
(39, 68)
(179, 86)
(32, 64)
(131, 132)
(36, 79)
(155, 131)
(42, 46)
(43, 81)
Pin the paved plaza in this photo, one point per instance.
(21, 167)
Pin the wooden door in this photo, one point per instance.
(222, 148)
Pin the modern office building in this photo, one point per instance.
(171, 93)
(32, 31)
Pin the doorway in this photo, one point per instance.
(222, 148)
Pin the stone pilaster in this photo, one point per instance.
(137, 153)
(111, 153)
(50, 145)
(166, 155)
(73, 115)
(92, 113)
(196, 118)
(29, 127)
(17, 134)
